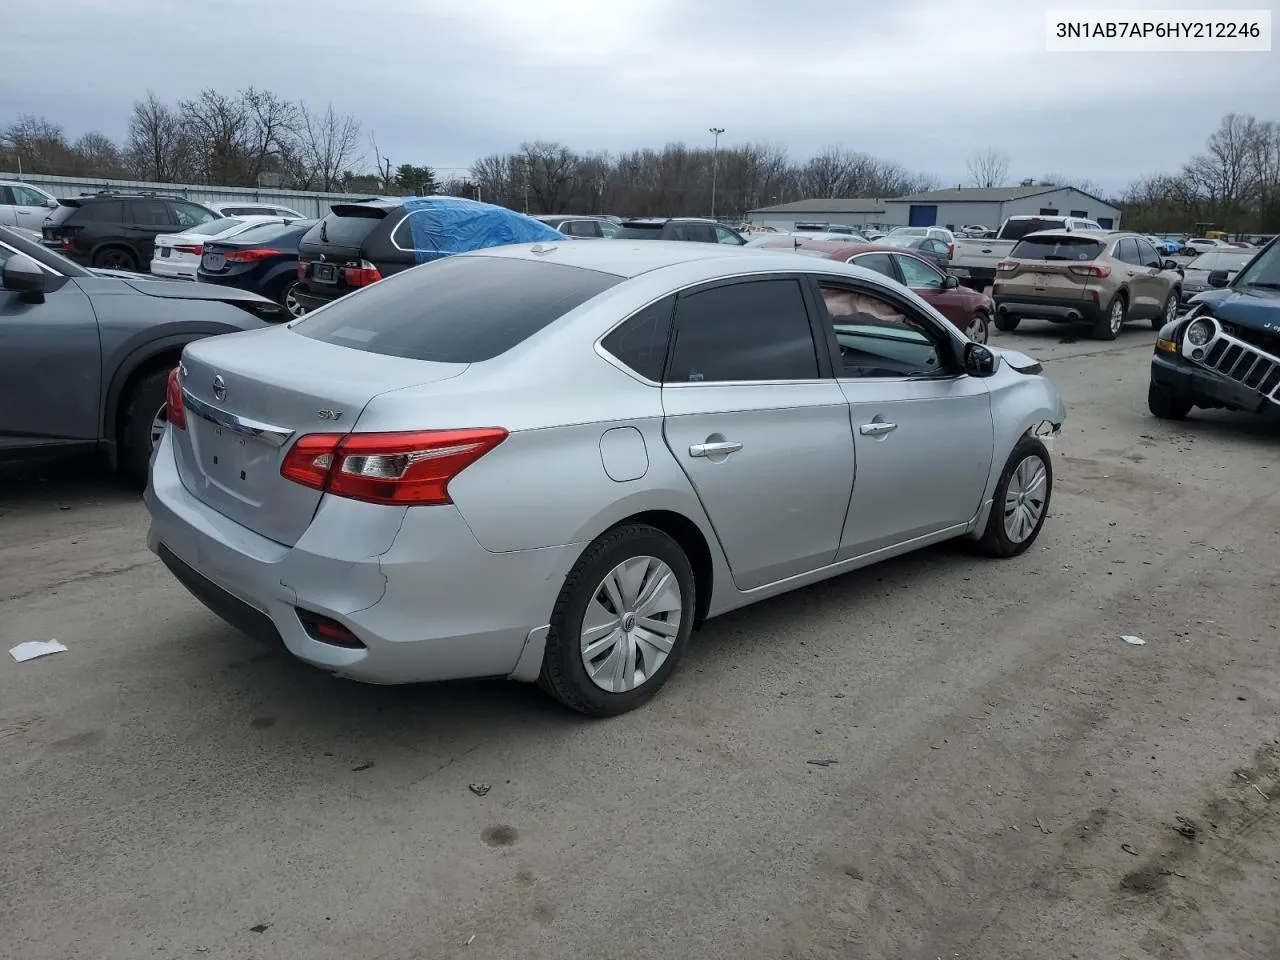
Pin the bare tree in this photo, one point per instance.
(273, 125)
(330, 144)
(552, 171)
(38, 145)
(219, 126)
(156, 147)
(384, 173)
(96, 154)
(988, 168)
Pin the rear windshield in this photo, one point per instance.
(269, 232)
(1017, 229)
(342, 230)
(910, 232)
(211, 227)
(63, 211)
(1057, 248)
(462, 309)
(629, 232)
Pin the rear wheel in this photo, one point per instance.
(1007, 321)
(1110, 322)
(144, 422)
(621, 622)
(289, 300)
(115, 258)
(1166, 404)
(979, 328)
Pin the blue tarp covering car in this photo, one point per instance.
(444, 226)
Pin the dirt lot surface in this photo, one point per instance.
(1010, 779)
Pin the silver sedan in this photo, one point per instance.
(548, 462)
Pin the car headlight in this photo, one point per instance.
(1200, 332)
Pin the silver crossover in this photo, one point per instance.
(549, 462)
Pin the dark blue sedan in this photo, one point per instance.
(263, 259)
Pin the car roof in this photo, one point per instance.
(836, 249)
(630, 258)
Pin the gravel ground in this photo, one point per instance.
(1010, 779)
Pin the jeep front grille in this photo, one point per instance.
(1243, 363)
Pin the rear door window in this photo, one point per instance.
(1057, 248)
(108, 211)
(463, 309)
(879, 262)
(756, 330)
(148, 213)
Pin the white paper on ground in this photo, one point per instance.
(36, 648)
(1136, 641)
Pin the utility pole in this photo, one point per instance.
(715, 165)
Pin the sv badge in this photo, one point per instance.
(329, 414)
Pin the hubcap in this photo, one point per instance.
(631, 624)
(1024, 500)
(157, 426)
(292, 305)
(977, 329)
(1171, 310)
(1117, 316)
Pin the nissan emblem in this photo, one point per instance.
(219, 389)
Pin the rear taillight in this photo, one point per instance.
(302, 270)
(410, 469)
(361, 276)
(248, 256)
(174, 411)
(1006, 266)
(951, 251)
(1089, 271)
(194, 248)
(67, 245)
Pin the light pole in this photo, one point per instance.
(715, 164)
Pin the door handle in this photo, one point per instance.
(878, 429)
(714, 449)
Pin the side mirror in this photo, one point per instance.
(23, 275)
(51, 204)
(950, 282)
(978, 360)
(1170, 265)
(1217, 279)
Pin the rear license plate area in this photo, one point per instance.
(324, 272)
(237, 462)
(166, 252)
(213, 261)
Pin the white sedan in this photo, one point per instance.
(178, 255)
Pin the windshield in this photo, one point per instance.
(1221, 260)
(900, 239)
(1262, 272)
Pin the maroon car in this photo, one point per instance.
(967, 309)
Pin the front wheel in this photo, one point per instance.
(621, 622)
(144, 423)
(1168, 314)
(979, 328)
(1021, 501)
(1167, 405)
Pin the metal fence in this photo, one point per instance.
(306, 202)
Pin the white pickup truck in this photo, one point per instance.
(974, 261)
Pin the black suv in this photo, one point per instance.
(118, 230)
(683, 228)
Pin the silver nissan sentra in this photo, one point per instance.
(549, 462)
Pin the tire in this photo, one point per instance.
(979, 329)
(1007, 321)
(1169, 313)
(115, 258)
(996, 539)
(290, 302)
(1167, 405)
(1111, 321)
(564, 664)
(143, 408)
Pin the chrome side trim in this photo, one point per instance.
(271, 435)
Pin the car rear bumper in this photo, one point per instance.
(1061, 310)
(173, 271)
(1206, 388)
(432, 604)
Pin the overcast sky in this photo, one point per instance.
(922, 82)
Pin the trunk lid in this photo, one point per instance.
(274, 386)
(1052, 267)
